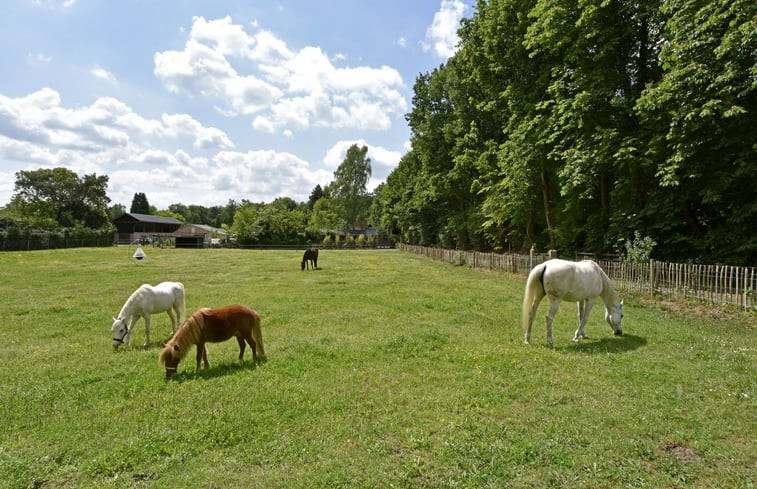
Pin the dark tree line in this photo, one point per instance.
(578, 125)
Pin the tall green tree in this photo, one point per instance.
(702, 117)
(139, 204)
(348, 189)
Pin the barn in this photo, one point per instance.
(133, 227)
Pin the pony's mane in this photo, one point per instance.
(185, 337)
(134, 297)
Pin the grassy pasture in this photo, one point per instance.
(384, 369)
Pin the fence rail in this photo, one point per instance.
(48, 243)
(717, 284)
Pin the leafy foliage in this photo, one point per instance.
(139, 204)
(572, 125)
(57, 197)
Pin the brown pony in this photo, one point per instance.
(213, 325)
(311, 255)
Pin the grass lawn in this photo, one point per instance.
(384, 369)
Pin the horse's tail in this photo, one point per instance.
(532, 296)
(182, 306)
(257, 334)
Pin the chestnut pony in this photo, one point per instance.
(212, 326)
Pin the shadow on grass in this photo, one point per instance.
(215, 371)
(607, 344)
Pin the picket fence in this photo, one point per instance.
(716, 284)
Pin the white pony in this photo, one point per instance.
(146, 300)
(581, 282)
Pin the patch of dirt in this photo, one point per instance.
(701, 310)
(682, 453)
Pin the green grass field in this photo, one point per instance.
(384, 369)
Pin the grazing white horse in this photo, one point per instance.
(146, 300)
(580, 282)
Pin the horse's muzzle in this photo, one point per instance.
(618, 332)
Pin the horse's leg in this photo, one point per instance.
(581, 311)
(132, 323)
(202, 354)
(242, 346)
(589, 303)
(254, 347)
(147, 328)
(173, 318)
(554, 304)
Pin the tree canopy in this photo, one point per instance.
(58, 197)
(579, 126)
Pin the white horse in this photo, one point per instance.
(146, 300)
(581, 282)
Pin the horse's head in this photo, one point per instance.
(302, 265)
(120, 329)
(613, 316)
(170, 358)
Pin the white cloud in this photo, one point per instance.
(38, 59)
(441, 35)
(55, 3)
(173, 159)
(265, 174)
(104, 74)
(107, 124)
(285, 89)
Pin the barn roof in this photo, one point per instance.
(134, 217)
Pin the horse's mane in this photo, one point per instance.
(133, 298)
(608, 291)
(187, 335)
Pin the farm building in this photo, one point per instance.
(138, 227)
(199, 235)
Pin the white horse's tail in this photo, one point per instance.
(182, 307)
(532, 296)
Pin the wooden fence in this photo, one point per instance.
(717, 284)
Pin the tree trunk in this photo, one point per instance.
(548, 207)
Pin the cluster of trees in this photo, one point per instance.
(51, 198)
(579, 125)
(48, 200)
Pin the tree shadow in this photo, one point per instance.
(606, 344)
(216, 371)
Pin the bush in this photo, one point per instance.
(639, 249)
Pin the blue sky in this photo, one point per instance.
(199, 102)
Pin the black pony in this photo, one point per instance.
(311, 254)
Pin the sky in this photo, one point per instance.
(199, 102)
